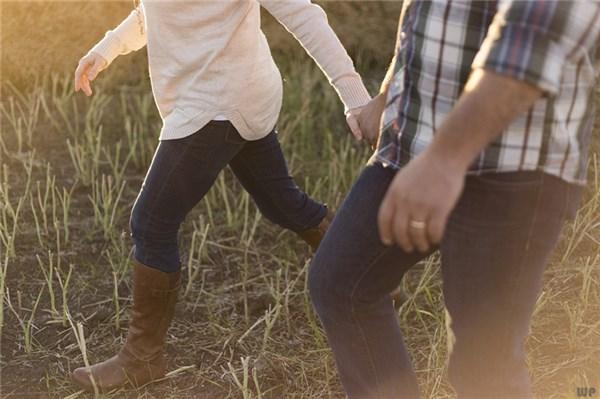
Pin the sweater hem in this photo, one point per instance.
(195, 124)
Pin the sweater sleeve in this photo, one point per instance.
(129, 36)
(309, 25)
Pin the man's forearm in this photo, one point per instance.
(389, 75)
(385, 85)
(489, 103)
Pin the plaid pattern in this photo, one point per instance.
(551, 44)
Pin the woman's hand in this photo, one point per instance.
(369, 118)
(364, 121)
(352, 120)
(88, 68)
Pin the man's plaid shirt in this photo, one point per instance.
(550, 44)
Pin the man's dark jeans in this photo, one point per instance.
(182, 172)
(497, 241)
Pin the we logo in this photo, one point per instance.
(586, 392)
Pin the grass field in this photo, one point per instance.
(70, 168)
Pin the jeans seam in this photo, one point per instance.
(527, 245)
(535, 214)
(356, 320)
(162, 189)
(566, 214)
(276, 205)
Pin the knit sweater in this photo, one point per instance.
(210, 59)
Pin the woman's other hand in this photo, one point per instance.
(352, 120)
(369, 118)
(88, 68)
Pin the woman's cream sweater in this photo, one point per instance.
(209, 58)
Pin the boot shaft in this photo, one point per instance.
(154, 297)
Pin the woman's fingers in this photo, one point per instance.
(354, 127)
(87, 88)
(92, 73)
(87, 70)
(98, 66)
(81, 75)
(84, 84)
(78, 74)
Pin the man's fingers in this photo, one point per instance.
(400, 230)
(417, 232)
(436, 227)
(384, 220)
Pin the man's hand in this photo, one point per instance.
(415, 209)
(369, 119)
(88, 68)
(418, 202)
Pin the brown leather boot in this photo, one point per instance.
(141, 359)
(313, 236)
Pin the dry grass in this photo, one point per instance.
(70, 168)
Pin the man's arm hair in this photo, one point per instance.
(489, 103)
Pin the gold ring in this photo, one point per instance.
(416, 224)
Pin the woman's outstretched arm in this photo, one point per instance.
(308, 23)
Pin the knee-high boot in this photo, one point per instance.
(141, 358)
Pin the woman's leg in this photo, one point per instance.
(181, 173)
(261, 169)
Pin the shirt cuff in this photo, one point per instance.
(524, 53)
(352, 92)
(109, 47)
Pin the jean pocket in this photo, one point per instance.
(509, 180)
(499, 200)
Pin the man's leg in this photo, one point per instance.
(261, 169)
(350, 280)
(496, 245)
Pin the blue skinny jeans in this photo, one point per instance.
(183, 170)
